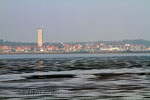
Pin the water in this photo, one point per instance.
(75, 77)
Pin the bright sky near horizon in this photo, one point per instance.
(74, 20)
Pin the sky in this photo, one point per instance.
(74, 20)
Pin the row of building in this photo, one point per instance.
(68, 48)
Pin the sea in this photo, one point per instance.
(75, 76)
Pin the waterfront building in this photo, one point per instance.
(5, 48)
(20, 49)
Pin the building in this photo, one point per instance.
(20, 49)
(5, 48)
(40, 37)
(127, 47)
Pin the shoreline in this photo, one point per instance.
(17, 53)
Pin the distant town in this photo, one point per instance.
(124, 46)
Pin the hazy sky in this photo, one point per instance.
(74, 20)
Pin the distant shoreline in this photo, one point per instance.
(72, 53)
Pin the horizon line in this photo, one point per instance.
(75, 41)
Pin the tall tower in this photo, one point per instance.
(40, 37)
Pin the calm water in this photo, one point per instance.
(75, 77)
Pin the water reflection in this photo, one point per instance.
(40, 67)
(82, 78)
